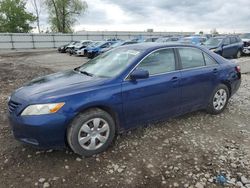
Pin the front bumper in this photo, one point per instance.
(43, 131)
(80, 53)
(246, 50)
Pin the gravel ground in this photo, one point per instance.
(188, 151)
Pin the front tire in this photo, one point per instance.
(219, 100)
(91, 132)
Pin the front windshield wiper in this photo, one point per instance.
(84, 72)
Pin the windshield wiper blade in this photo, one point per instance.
(86, 73)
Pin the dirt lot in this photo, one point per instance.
(189, 151)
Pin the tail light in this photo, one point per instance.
(237, 68)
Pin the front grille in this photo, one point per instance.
(12, 106)
(246, 44)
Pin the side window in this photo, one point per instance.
(238, 39)
(191, 58)
(226, 41)
(105, 45)
(209, 60)
(158, 62)
(233, 40)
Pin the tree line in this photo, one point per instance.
(14, 17)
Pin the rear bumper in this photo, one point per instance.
(43, 131)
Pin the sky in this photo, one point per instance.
(227, 16)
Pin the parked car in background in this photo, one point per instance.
(113, 39)
(81, 45)
(90, 46)
(226, 46)
(151, 39)
(246, 40)
(94, 51)
(138, 39)
(78, 45)
(72, 46)
(117, 44)
(168, 39)
(63, 48)
(132, 85)
(194, 40)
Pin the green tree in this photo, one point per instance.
(14, 18)
(63, 13)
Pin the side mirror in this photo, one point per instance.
(139, 74)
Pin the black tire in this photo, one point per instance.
(75, 126)
(211, 108)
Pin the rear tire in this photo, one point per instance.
(219, 100)
(91, 132)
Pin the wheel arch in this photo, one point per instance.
(107, 109)
(227, 83)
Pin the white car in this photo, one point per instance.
(80, 52)
(82, 44)
(246, 39)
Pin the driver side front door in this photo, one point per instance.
(155, 97)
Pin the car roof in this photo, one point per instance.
(154, 46)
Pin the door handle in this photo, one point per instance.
(175, 78)
(215, 70)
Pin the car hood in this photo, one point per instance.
(211, 47)
(54, 85)
(93, 49)
(245, 40)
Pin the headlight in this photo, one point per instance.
(40, 109)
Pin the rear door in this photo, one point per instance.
(198, 78)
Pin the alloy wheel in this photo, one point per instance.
(220, 99)
(93, 134)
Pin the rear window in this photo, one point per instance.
(191, 58)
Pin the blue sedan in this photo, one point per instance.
(95, 50)
(119, 90)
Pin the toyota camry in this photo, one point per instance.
(86, 107)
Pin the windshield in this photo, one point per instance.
(94, 44)
(245, 36)
(213, 42)
(110, 64)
